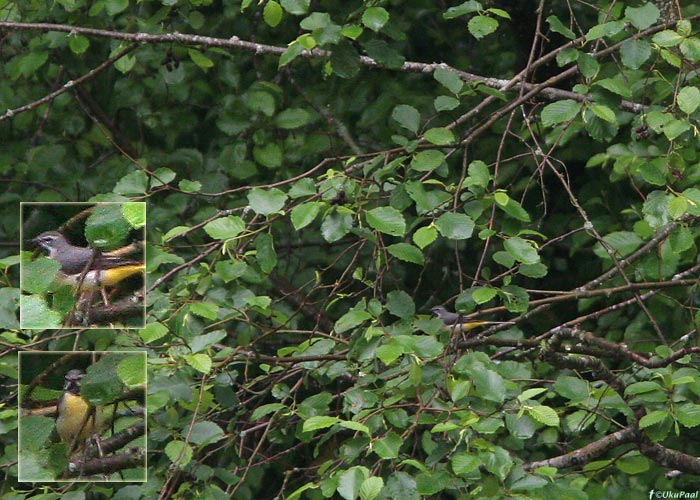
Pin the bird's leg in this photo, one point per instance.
(105, 297)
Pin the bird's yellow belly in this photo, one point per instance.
(71, 421)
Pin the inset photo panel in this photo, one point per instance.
(82, 416)
(83, 265)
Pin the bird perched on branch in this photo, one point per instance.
(76, 420)
(85, 268)
(458, 323)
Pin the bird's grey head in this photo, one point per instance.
(72, 381)
(438, 310)
(51, 241)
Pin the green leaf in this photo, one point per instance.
(692, 195)
(479, 174)
(572, 388)
(35, 313)
(634, 464)
(425, 161)
(511, 207)
(440, 136)
(455, 226)
(667, 38)
(352, 31)
(370, 488)
(134, 213)
(225, 227)
(604, 113)
(292, 118)
(265, 252)
(204, 433)
(462, 9)
(261, 101)
(302, 187)
(305, 214)
(558, 27)
(386, 220)
(294, 50)
(654, 172)
(670, 57)
(389, 353)
(688, 99)
(560, 112)
(653, 418)
(465, 463)
(588, 65)
(266, 201)
(642, 17)
(153, 332)
(489, 385)
(407, 253)
(335, 226)
(538, 270)
(272, 13)
(445, 103)
(690, 48)
(78, 44)
(531, 393)
(617, 85)
(688, 415)
(567, 56)
(206, 310)
(230, 270)
(606, 29)
(675, 128)
(481, 26)
(113, 7)
(350, 482)
(206, 341)
(345, 61)
(190, 186)
(30, 63)
(296, 7)
(544, 415)
(179, 453)
(681, 239)
(319, 422)
(407, 116)
(38, 276)
(522, 250)
(498, 12)
(388, 447)
(400, 304)
(483, 294)
(200, 59)
(162, 176)
(424, 236)
(268, 155)
(355, 426)
(621, 242)
(350, 320)
(643, 388)
(375, 18)
(384, 54)
(449, 79)
(266, 409)
(135, 182)
(200, 362)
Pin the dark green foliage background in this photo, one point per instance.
(305, 213)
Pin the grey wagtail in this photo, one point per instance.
(458, 323)
(75, 423)
(96, 270)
